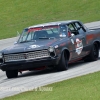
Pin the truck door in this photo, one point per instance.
(78, 39)
(82, 36)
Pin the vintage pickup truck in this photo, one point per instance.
(54, 44)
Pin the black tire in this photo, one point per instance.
(94, 53)
(63, 63)
(12, 73)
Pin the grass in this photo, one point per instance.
(18, 14)
(81, 88)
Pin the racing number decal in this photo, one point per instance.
(78, 46)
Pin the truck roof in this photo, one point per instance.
(53, 23)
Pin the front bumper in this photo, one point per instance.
(29, 64)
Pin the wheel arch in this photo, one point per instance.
(97, 42)
(66, 51)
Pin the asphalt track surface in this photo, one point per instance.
(33, 79)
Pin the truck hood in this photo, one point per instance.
(30, 46)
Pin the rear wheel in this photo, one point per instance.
(63, 63)
(12, 73)
(94, 54)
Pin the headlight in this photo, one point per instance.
(1, 56)
(51, 49)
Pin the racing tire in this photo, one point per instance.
(94, 53)
(63, 63)
(12, 73)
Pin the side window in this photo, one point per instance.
(79, 27)
(73, 29)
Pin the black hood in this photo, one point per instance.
(30, 46)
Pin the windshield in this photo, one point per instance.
(47, 32)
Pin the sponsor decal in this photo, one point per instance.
(41, 28)
(34, 46)
(34, 29)
(79, 46)
(56, 46)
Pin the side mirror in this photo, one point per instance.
(15, 42)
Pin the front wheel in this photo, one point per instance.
(63, 63)
(11, 73)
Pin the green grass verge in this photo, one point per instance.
(18, 14)
(81, 88)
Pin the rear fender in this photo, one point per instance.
(97, 42)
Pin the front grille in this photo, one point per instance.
(26, 56)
